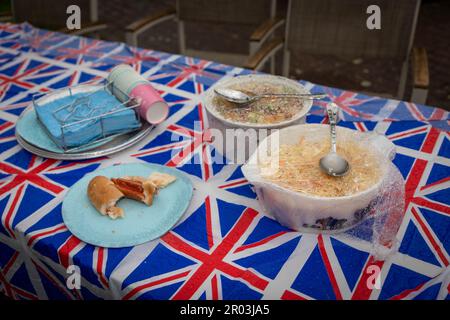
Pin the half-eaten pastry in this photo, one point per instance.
(104, 195)
(161, 180)
(136, 188)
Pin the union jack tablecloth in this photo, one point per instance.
(224, 247)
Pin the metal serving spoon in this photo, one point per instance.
(333, 164)
(242, 98)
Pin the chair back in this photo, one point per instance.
(339, 28)
(246, 12)
(52, 14)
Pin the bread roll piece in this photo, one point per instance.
(161, 180)
(104, 195)
(136, 188)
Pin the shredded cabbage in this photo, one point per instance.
(299, 170)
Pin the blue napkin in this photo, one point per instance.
(81, 107)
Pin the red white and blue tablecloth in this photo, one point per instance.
(224, 247)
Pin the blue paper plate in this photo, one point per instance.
(31, 130)
(141, 222)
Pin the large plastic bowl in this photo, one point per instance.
(310, 213)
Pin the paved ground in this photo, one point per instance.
(373, 76)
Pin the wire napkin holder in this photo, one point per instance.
(88, 108)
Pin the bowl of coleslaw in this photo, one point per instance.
(290, 186)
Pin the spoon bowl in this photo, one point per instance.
(334, 165)
(234, 96)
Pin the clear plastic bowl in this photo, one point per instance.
(310, 213)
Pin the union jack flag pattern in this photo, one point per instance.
(225, 246)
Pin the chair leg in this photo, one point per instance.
(286, 63)
(253, 47)
(181, 37)
(131, 39)
(272, 64)
(93, 10)
(402, 82)
(419, 95)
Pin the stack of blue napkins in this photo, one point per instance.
(53, 115)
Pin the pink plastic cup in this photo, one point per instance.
(152, 107)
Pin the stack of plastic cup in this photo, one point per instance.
(127, 83)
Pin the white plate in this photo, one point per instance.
(211, 108)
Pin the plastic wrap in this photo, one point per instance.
(373, 215)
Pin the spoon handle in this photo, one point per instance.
(332, 111)
(295, 95)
